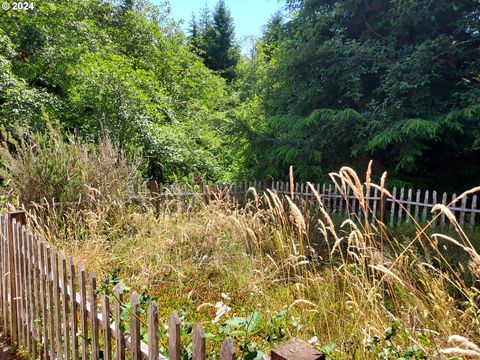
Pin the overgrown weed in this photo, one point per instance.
(354, 288)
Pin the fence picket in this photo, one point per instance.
(5, 269)
(444, 202)
(83, 310)
(24, 286)
(462, 212)
(50, 313)
(417, 201)
(174, 336)
(107, 331)
(425, 206)
(409, 206)
(198, 343)
(434, 201)
(375, 204)
(340, 203)
(392, 209)
(74, 311)
(21, 286)
(227, 351)
(24, 280)
(43, 297)
(454, 197)
(30, 295)
(7, 277)
(135, 327)
(36, 281)
(400, 207)
(57, 303)
(153, 332)
(472, 215)
(335, 198)
(18, 293)
(35, 295)
(329, 199)
(119, 333)
(93, 316)
(64, 296)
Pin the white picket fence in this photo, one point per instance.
(405, 205)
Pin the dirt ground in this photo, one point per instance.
(6, 352)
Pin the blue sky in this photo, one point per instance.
(249, 15)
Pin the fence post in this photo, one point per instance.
(19, 217)
(154, 195)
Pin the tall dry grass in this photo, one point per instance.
(311, 276)
(51, 168)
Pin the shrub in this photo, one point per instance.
(50, 167)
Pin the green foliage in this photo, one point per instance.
(321, 137)
(19, 103)
(214, 40)
(385, 348)
(120, 69)
(409, 70)
(329, 84)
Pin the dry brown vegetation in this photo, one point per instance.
(350, 283)
(286, 265)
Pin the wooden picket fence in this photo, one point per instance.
(52, 308)
(405, 205)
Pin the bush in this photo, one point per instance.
(50, 167)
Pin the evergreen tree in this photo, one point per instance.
(194, 35)
(272, 35)
(396, 81)
(217, 41)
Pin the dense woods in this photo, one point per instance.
(328, 83)
(346, 81)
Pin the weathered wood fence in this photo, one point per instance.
(404, 206)
(52, 308)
